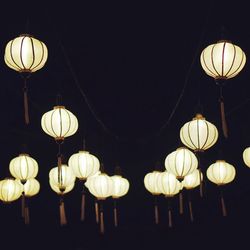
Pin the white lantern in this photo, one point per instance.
(100, 186)
(56, 189)
(10, 190)
(150, 182)
(222, 60)
(23, 167)
(59, 123)
(246, 156)
(31, 187)
(25, 54)
(120, 186)
(84, 164)
(91, 176)
(65, 179)
(221, 172)
(192, 180)
(181, 162)
(198, 134)
(168, 184)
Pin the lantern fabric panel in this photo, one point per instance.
(192, 180)
(56, 189)
(10, 190)
(23, 167)
(221, 172)
(222, 60)
(198, 134)
(246, 156)
(181, 162)
(120, 186)
(25, 54)
(150, 182)
(84, 164)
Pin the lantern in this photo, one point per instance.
(25, 54)
(181, 162)
(23, 167)
(221, 173)
(10, 190)
(57, 190)
(169, 186)
(150, 182)
(198, 134)
(59, 123)
(246, 156)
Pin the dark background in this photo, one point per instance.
(131, 74)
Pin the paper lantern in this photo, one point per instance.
(10, 190)
(31, 187)
(198, 134)
(192, 180)
(56, 189)
(120, 186)
(150, 182)
(23, 167)
(246, 156)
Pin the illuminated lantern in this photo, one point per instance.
(246, 156)
(59, 123)
(150, 182)
(57, 190)
(23, 167)
(25, 54)
(221, 173)
(181, 162)
(10, 190)
(198, 134)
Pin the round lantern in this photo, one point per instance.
(246, 156)
(84, 164)
(23, 167)
(120, 186)
(56, 189)
(10, 190)
(65, 179)
(221, 172)
(150, 182)
(198, 134)
(222, 60)
(181, 162)
(59, 123)
(25, 54)
(192, 180)
(31, 187)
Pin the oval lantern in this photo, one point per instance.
(198, 134)
(246, 156)
(23, 167)
(65, 179)
(120, 186)
(31, 187)
(56, 189)
(25, 54)
(150, 182)
(192, 180)
(84, 164)
(59, 123)
(222, 60)
(181, 162)
(221, 172)
(10, 190)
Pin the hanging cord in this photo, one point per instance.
(115, 213)
(190, 207)
(156, 210)
(25, 99)
(223, 205)
(170, 222)
(83, 201)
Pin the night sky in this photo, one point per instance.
(131, 74)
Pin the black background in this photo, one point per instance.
(131, 74)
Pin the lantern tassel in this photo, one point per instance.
(201, 183)
(180, 203)
(223, 205)
(23, 205)
(191, 210)
(96, 212)
(170, 224)
(83, 207)
(156, 214)
(223, 118)
(26, 105)
(27, 216)
(101, 218)
(115, 214)
(63, 220)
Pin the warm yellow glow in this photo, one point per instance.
(56, 189)
(246, 156)
(31, 187)
(198, 134)
(100, 186)
(10, 190)
(23, 167)
(221, 172)
(192, 180)
(181, 162)
(222, 60)
(120, 186)
(150, 182)
(168, 184)
(84, 164)
(94, 175)
(25, 54)
(65, 178)
(59, 123)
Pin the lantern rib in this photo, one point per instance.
(205, 146)
(51, 123)
(69, 118)
(60, 120)
(212, 57)
(233, 61)
(189, 136)
(198, 134)
(241, 62)
(222, 62)
(42, 57)
(21, 52)
(33, 54)
(11, 55)
(205, 64)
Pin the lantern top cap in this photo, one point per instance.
(220, 161)
(199, 116)
(182, 147)
(59, 107)
(24, 154)
(25, 34)
(83, 151)
(224, 41)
